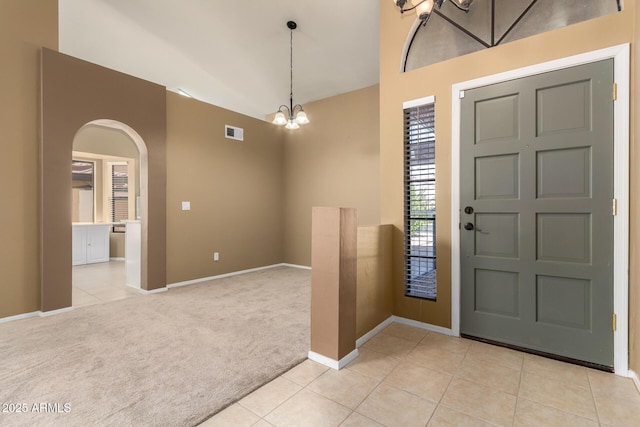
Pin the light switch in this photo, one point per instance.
(186, 206)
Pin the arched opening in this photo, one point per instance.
(109, 189)
(74, 94)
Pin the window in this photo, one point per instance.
(420, 200)
(82, 184)
(119, 198)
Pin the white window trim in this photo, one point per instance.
(620, 55)
(418, 102)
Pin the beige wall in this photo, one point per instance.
(437, 79)
(75, 93)
(334, 161)
(235, 189)
(240, 212)
(374, 303)
(25, 25)
(333, 281)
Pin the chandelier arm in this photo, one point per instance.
(516, 22)
(461, 28)
(435, 3)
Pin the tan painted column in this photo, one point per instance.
(334, 235)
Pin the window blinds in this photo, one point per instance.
(119, 200)
(420, 201)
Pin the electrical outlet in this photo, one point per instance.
(216, 256)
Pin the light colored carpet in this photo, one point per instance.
(169, 359)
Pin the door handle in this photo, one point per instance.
(468, 210)
(468, 226)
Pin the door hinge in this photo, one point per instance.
(461, 94)
(614, 207)
(615, 322)
(615, 91)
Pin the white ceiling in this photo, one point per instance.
(234, 54)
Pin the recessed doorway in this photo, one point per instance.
(76, 93)
(105, 203)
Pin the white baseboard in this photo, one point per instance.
(331, 363)
(422, 325)
(302, 267)
(146, 292)
(391, 319)
(20, 317)
(636, 379)
(234, 273)
(372, 333)
(36, 314)
(54, 312)
(116, 259)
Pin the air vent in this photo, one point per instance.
(233, 132)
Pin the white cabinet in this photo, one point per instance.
(90, 243)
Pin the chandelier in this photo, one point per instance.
(423, 8)
(294, 120)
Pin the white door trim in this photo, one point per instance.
(620, 55)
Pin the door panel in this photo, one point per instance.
(497, 235)
(537, 246)
(497, 177)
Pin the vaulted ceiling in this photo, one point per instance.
(234, 54)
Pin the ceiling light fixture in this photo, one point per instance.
(300, 118)
(423, 8)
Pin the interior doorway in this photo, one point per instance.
(106, 204)
(75, 93)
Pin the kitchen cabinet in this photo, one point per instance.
(90, 243)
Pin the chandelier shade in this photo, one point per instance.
(424, 8)
(295, 115)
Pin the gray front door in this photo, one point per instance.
(536, 213)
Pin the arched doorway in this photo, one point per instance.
(109, 187)
(76, 93)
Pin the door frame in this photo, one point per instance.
(620, 55)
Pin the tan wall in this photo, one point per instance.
(333, 281)
(74, 93)
(374, 303)
(333, 161)
(235, 190)
(437, 79)
(25, 25)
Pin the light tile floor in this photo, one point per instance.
(99, 283)
(406, 376)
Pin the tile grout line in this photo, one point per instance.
(381, 381)
(515, 411)
(593, 399)
(460, 410)
(281, 403)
